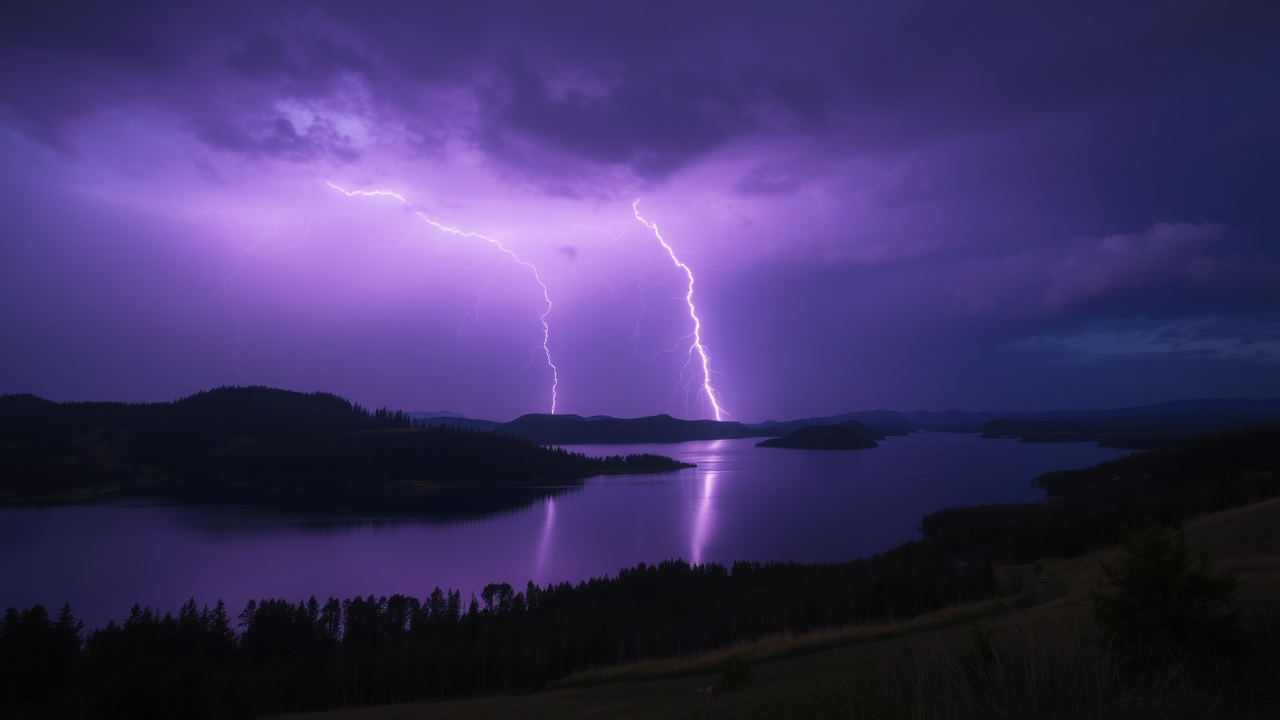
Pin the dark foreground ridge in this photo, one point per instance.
(310, 655)
(821, 437)
(261, 438)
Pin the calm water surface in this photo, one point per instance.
(741, 502)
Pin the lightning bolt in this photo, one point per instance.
(542, 318)
(697, 345)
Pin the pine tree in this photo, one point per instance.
(1162, 605)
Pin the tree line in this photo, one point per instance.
(283, 656)
(265, 438)
(310, 655)
(1095, 507)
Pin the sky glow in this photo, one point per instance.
(903, 206)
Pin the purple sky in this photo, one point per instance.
(1016, 206)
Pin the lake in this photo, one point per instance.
(740, 503)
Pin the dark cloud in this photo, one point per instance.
(309, 66)
(1244, 331)
(653, 86)
(805, 95)
(264, 54)
(654, 122)
(941, 71)
(145, 37)
(1169, 267)
(431, 44)
(281, 141)
(62, 61)
(1096, 181)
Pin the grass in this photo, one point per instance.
(1037, 655)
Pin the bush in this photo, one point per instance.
(737, 675)
(1163, 606)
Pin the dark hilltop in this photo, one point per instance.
(259, 438)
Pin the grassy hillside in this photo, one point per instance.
(1038, 654)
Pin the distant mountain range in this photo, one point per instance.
(603, 430)
(606, 430)
(1141, 426)
(421, 415)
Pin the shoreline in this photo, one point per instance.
(160, 490)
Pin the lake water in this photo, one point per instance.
(741, 502)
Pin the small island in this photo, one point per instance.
(821, 437)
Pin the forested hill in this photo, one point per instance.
(604, 430)
(259, 437)
(1092, 508)
(574, 429)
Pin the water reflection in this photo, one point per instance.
(234, 511)
(544, 543)
(703, 519)
(712, 457)
(740, 503)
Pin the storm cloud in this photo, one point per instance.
(896, 190)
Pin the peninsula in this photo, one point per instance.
(259, 438)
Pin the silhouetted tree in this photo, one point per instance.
(1161, 605)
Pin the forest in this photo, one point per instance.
(1095, 507)
(282, 656)
(264, 438)
(279, 655)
